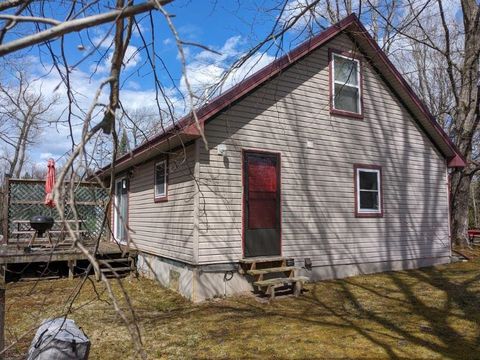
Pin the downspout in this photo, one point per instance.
(449, 205)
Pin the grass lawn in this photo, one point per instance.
(426, 313)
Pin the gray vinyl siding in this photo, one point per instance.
(164, 228)
(318, 218)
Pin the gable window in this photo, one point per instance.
(346, 89)
(368, 191)
(161, 180)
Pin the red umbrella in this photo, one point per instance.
(49, 183)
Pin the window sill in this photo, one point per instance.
(346, 114)
(368, 215)
(161, 199)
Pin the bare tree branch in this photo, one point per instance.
(77, 25)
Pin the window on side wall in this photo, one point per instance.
(368, 191)
(346, 85)
(161, 180)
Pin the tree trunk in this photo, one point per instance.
(466, 122)
(460, 185)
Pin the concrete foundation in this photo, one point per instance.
(346, 270)
(199, 283)
(172, 274)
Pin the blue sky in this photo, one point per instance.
(230, 28)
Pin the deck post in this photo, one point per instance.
(3, 291)
(2, 320)
(5, 209)
(71, 268)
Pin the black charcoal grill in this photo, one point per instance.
(41, 224)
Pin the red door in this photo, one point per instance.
(262, 204)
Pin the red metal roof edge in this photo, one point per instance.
(219, 103)
(242, 88)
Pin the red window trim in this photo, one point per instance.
(349, 54)
(162, 198)
(368, 167)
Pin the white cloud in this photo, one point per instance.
(297, 17)
(140, 28)
(46, 156)
(206, 69)
(105, 42)
(132, 59)
(55, 139)
(133, 85)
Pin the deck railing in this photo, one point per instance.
(25, 198)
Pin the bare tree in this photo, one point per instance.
(140, 124)
(466, 117)
(24, 110)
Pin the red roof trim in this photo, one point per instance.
(236, 92)
(456, 162)
(219, 103)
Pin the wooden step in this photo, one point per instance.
(120, 260)
(262, 259)
(116, 269)
(272, 270)
(280, 281)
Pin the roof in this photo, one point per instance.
(186, 129)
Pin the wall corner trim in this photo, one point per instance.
(196, 199)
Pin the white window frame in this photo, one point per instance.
(358, 86)
(165, 175)
(116, 210)
(379, 191)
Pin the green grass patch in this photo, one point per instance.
(426, 313)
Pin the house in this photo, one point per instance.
(325, 157)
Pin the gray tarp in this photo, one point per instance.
(59, 339)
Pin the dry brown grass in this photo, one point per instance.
(427, 313)
(471, 252)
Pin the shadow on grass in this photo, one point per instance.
(426, 313)
(417, 313)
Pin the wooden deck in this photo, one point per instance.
(11, 254)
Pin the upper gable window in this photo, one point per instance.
(346, 90)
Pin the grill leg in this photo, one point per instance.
(34, 236)
(49, 238)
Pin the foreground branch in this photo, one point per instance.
(77, 25)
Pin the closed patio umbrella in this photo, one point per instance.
(49, 183)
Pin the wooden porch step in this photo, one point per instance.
(261, 259)
(118, 266)
(280, 281)
(116, 269)
(272, 270)
(120, 260)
